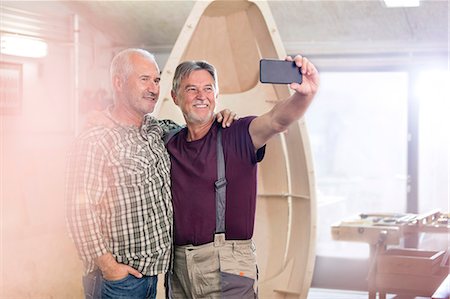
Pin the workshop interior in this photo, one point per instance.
(353, 199)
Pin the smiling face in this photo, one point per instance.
(196, 96)
(138, 90)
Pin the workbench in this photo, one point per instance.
(402, 271)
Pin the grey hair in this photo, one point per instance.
(121, 64)
(184, 69)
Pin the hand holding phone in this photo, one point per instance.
(279, 72)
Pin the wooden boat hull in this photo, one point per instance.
(234, 36)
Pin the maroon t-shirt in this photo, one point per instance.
(194, 172)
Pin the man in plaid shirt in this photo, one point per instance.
(119, 206)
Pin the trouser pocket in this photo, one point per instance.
(204, 272)
(92, 285)
(130, 287)
(238, 271)
(235, 286)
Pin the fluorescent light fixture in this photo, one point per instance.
(17, 45)
(402, 3)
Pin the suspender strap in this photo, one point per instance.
(221, 186)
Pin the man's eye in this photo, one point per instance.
(208, 89)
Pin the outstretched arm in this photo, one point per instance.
(289, 110)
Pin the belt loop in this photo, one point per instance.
(219, 240)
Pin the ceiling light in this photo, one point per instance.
(402, 3)
(17, 45)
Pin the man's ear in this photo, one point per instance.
(117, 83)
(174, 97)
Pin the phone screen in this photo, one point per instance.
(279, 72)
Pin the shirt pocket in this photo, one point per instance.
(130, 165)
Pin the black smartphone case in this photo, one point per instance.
(279, 72)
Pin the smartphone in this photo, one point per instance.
(279, 72)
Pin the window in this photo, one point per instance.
(433, 92)
(357, 125)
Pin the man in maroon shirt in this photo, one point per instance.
(214, 255)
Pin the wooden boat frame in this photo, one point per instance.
(234, 36)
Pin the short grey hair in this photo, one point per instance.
(121, 64)
(184, 69)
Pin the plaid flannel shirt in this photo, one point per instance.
(118, 196)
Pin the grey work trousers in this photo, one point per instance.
(220, 269)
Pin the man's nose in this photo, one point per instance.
(201, 93)
(152, 86)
